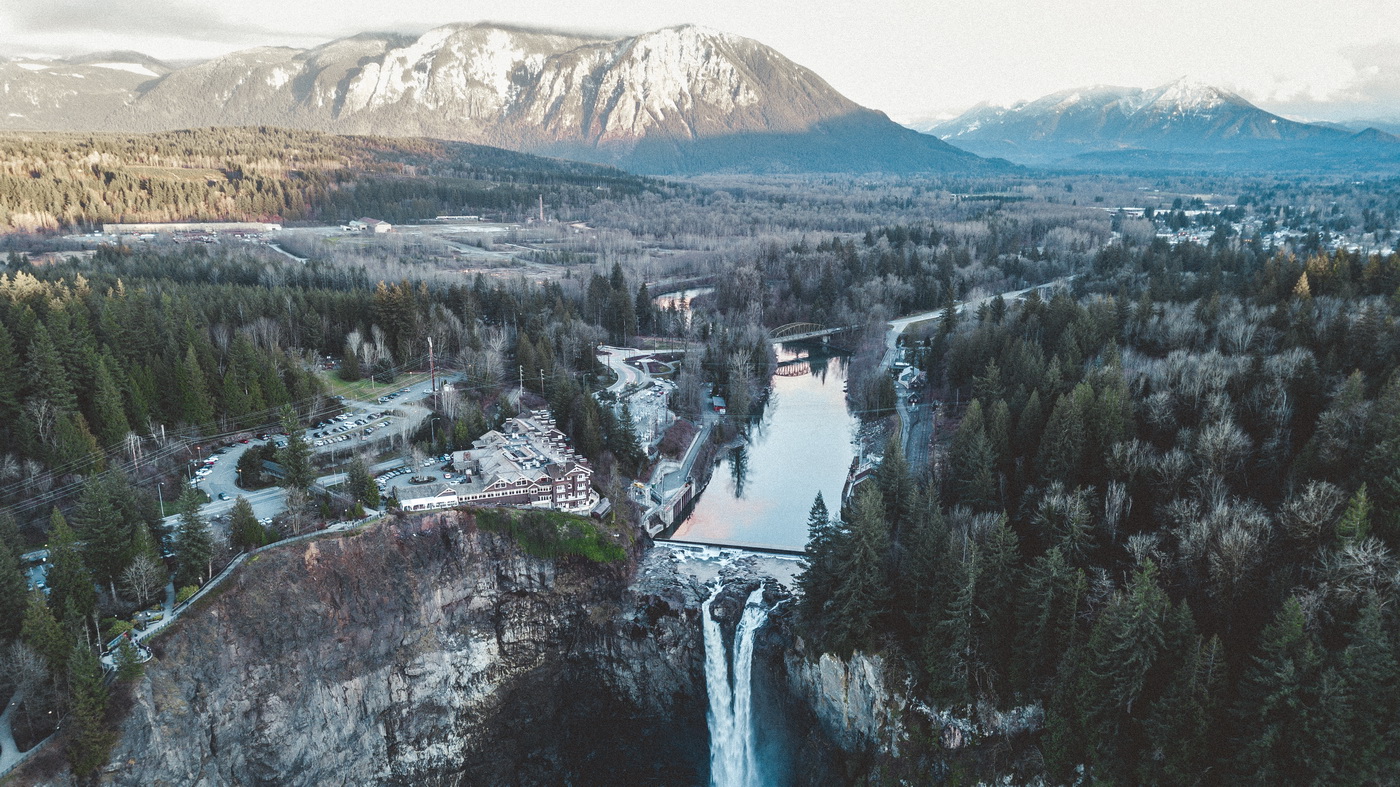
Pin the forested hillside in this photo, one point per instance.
(1168, 516)
(63, 180)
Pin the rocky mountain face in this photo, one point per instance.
(682, 99)
(1181, 122)
(423, 652)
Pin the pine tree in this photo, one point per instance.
(42, 632)
(128, 661)
(972, 462)
(107, 536)
(193, 544)
(1272, 701)
(9, 380)
(862, 588)
(75, 448)
(9, 535)
(107, 406)
(1180, 725)
(69, 579)
(624, 444)
(1123, 647)
(1372, 679)
(896, 486)
(1063, 443)
(922, 580)
(1046, 613)
(90, 740)
(193, 392)
(246, 531)
(296, 457)
(1355, 523)
(820, 569)
(997, 581)
(12, 596)
(644, 310)
(350, 365)
(950, 652)
(48, 377)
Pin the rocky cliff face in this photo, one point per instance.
(423, 652)
(866, 713)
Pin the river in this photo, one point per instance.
(761, 492)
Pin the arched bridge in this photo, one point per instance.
(798, 331)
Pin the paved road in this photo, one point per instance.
(616, 359)
(9, 750)
(675, 479)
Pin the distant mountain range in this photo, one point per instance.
(1181, 125)
(674, 101)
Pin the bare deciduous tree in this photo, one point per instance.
(143, 578)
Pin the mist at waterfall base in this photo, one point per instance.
(748, 740)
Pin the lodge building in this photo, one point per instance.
(528, 462)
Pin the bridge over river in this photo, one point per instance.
(802, 331)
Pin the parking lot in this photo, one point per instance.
(430, 473)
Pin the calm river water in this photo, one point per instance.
(761, 493)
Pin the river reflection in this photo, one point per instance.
(801, 444)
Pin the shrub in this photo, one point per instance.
(552, 534)
(185, 593)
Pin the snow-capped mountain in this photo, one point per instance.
(680, 99)
(45, 94)
(1183, 118)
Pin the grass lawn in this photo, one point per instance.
(367, 390)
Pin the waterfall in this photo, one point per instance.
(733, 758)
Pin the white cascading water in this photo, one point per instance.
(733, 755)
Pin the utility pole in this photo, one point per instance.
(432, 368)
(541, 208)
(522, 379)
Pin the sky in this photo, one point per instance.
(914, 59)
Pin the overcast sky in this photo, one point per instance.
(1320, 59)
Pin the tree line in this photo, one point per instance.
(50, 181)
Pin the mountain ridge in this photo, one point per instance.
(666, 101)
(1179, 121)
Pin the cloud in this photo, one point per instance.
(127, 17)
(70, 26)
(1377, 73)
(1361, 82)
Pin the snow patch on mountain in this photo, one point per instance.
(131, 68)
